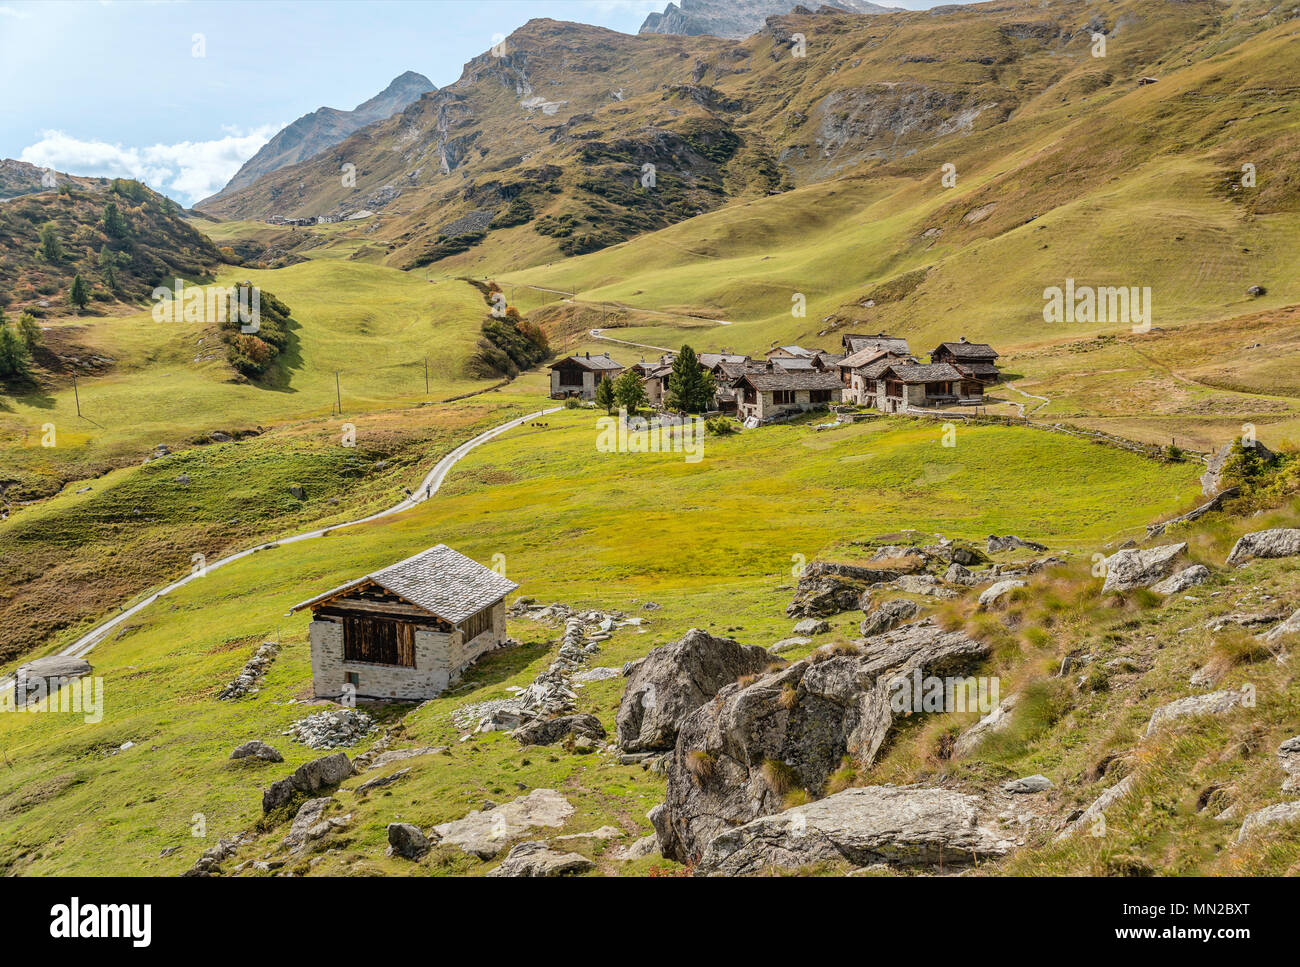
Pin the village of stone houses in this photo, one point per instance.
(658, 449)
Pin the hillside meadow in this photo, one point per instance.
(713, 543)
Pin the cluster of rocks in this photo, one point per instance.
(939, 571)
(332, 728)
(542, 713)
(742, 733)
(209, 863)
(246, 682)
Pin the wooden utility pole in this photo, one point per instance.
(338, 394)
(76, 395)
(426, 375)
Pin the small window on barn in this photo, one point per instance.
(379, 641)
(820, 396)
(476, 625)
(782, 397)
(354, 679)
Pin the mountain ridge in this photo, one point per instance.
(738, 19)
(313, 133)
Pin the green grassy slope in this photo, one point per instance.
(572, 524)
(168, 381)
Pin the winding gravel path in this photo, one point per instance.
(428, 487)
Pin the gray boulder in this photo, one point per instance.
(996, 721)
(1179, 581)
(674, 680)
(258, 749)
(1135, 567)
(36, 679)
(902, 826)
(1182, 580)
(1277, 542)
(826, 588)
(1010, 542)
(310, 825)
(1290, 626)
(887, 616)
(812, 626)
(738, 756)
(1098, 807)
(538, 859)
(406, 841)
(1288, 757)
(1215, 703)
(1283, 812)
(550, 731)
(787, 644)
(991, 595)
(308, 778)
(483, 833)
(1029, 784)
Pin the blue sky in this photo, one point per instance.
(118, 88)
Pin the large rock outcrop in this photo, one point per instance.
(1277, 542)
(1135, 567)
(738, 756)
(673, 680)
(902, 826)
(308, 778)
(826, 588)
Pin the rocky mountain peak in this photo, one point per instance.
(737, 19)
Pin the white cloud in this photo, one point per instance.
(15, 14)
(189, 170)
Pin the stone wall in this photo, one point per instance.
(329, 671)
(440, 659)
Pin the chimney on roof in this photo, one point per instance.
(963, 339)
(588, 355)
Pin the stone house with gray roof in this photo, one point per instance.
(976, 359)
(776, 393)
(407, 631)
(895, 386)
(580, 375)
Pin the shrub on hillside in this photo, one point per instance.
(254, 353)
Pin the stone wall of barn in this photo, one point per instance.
(465, 653)
(430, 676)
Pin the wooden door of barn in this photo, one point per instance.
(380, 641)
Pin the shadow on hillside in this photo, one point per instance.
(504, 663)
(279, 378)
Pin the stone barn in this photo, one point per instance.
(580, 375)
(407, 631)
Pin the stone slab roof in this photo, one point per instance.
(601, 362)
(916, 373)
(969, 350)
(443, 582)
(784, 379)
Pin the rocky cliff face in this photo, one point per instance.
(313, 133)
(736, 19)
